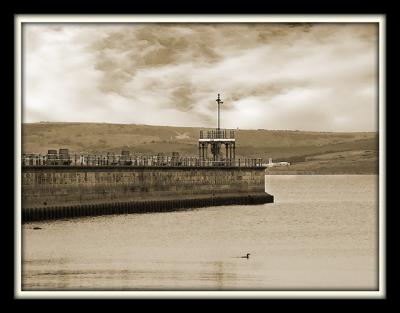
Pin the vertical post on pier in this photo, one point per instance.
(226, 154)
(219, 102)
(199, 150)
(230, 154)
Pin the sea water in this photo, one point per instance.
(321, 233)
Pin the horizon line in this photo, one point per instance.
(204, 127)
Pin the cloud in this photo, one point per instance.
(272, 76)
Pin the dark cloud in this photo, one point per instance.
(151, 46)
(182, 97)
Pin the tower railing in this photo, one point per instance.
(217, 134)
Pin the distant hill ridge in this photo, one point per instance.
(283, 145)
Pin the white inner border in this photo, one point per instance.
(358, 18)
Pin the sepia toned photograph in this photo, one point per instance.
(213, 156)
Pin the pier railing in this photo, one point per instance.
(124, 160)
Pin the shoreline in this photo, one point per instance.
(315, 173)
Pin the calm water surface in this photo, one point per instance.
(321, 233)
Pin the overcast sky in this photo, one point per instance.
(319, 77)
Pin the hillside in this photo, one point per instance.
(345, 162)
(298, 147)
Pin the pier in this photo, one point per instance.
(51, 192)
(64, 185)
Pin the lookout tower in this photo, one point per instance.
(216, 139)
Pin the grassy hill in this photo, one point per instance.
(345, 162)
(301, 148)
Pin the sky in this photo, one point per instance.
(315, 77)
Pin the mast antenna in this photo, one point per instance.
(219, 101)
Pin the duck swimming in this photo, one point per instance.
(246, 256)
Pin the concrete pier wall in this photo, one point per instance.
(65, 191)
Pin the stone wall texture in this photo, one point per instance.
(70, 185)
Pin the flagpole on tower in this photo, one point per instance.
(218, 101)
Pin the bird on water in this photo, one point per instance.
(246, 256)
